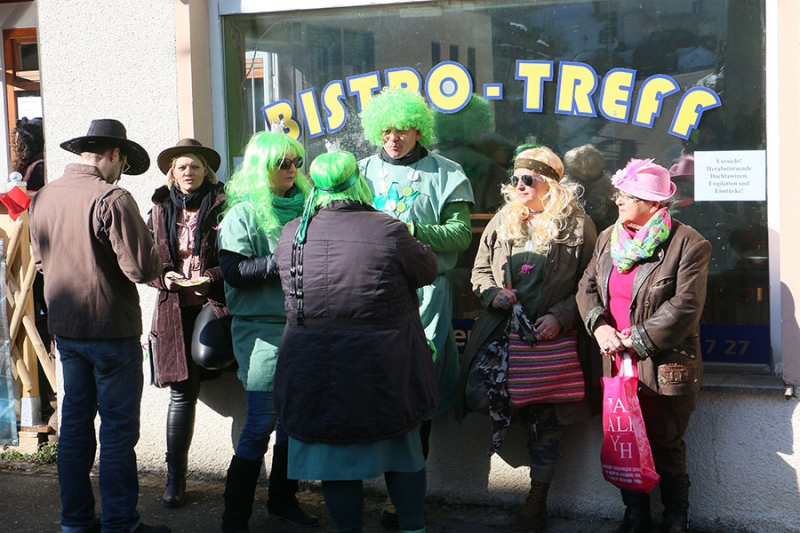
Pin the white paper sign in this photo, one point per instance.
(732, 176)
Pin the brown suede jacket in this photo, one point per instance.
(669, 291)
(92, 246)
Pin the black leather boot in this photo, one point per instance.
(675, 497)
(240, 490)
(180, 429)
(282, 501)
(176, 480)
(637, 517)
(532, 518)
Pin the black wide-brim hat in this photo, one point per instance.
(188, 146)
(111, 132)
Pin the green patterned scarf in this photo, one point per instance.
(626, 251)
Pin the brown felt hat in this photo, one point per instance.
(188, 146)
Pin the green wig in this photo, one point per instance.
(335, 176)
(400, 109)
(251, 182)
(465, 126)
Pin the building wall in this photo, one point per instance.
(106, 58)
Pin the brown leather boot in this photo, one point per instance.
(532, 518)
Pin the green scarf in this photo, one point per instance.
(626, 251)
(288, 207)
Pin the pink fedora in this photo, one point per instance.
(683, 170)
(643, 179)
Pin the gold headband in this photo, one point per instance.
(540, 168)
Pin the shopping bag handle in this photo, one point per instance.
(624, 365)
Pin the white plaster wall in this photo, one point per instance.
(111, 59)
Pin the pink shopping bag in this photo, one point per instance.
(626, 457)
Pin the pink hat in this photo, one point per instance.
(683, 170)
(643, 179)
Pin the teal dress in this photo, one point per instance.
(259, 315)
(420, 193)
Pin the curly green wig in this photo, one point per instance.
(400, 109)
(465, 126)
(251, 182)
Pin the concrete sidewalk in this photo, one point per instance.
(29, 503)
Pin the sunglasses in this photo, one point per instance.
(287, 163)
(125, 166)
(527, 179)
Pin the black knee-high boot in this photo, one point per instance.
(180, 428)
(282, 501)
(240, 490)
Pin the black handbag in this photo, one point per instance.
(212, 343)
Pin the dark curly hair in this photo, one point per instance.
(28, 143)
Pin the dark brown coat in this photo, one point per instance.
(359, 368)
(669, 292)
(172, 357)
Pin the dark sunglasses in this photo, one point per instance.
(287, 163)
(527, 179)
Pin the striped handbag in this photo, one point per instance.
(547, 372)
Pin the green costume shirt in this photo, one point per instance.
(259, 315)
(430, 192)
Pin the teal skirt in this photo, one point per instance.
(345, 462)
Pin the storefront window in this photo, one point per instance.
(550, 71)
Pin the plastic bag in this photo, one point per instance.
(626, 458)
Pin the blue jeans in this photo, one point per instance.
(258, 425)
(104, 375)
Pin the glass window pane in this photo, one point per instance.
(680, 42)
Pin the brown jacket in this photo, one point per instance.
(566, 261)
(172, 357)
(669, 292)
(91, 244)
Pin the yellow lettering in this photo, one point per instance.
(448, 86)
(694, 103)
(362, 87)
(308, 102)
(617, 93)
(335, 112)
(651, 97)
(405, 77)
(534, 74)
(576, 84)
(282, 111)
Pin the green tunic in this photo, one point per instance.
(259, 315)
(423, 194)
(342, 462)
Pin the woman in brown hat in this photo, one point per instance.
(184, 221)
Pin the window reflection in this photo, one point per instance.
(685, 40)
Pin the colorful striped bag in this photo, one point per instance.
(547, 372)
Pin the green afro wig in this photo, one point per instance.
(465, 126)
(400, 109)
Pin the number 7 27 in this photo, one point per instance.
(730, 346)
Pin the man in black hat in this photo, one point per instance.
(91, 244)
